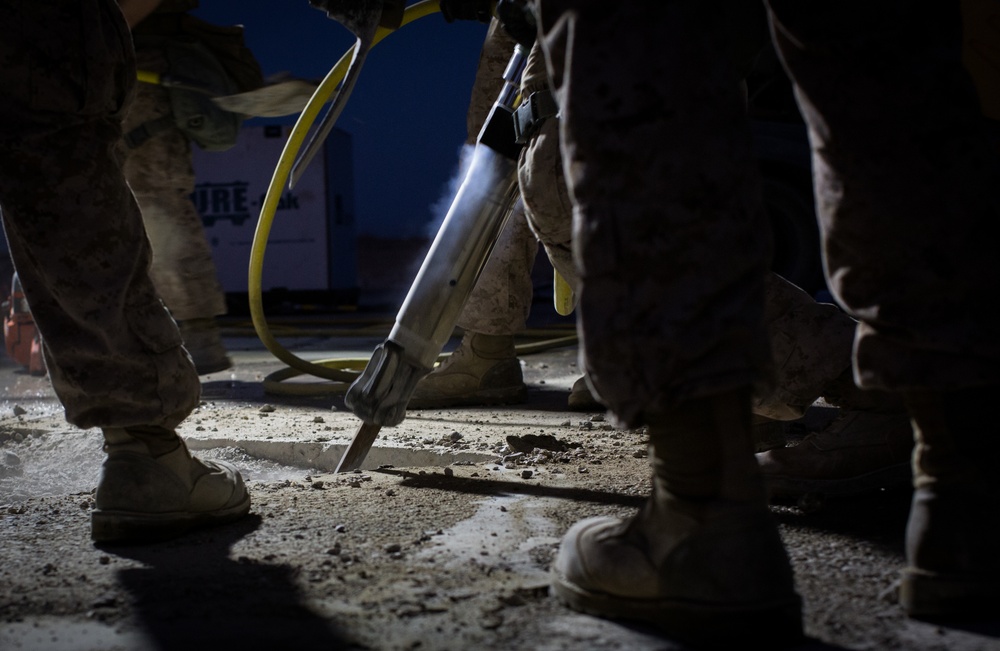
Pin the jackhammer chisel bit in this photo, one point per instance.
(356, 452)
(427, 319)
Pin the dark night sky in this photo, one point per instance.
(407, 112)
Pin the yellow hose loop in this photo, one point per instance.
(340, 371)
(320, 96)
(148, 77)
(275, 383)
(539, 346)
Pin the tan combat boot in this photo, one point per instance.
(582, 399)
(865, 449)
(204, 343)
(702, 560)
(151, 488)
(482, 370)
(953, 532)
(767, 433)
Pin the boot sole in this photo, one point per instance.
(217, 366)
(129, 526)
(774, 624)
(791, 487)
(508, 396)
(931, 595)
(583, 402)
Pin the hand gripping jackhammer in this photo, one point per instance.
(430, 311)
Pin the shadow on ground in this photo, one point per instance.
(192, 595)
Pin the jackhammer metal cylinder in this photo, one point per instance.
(427, 318)
(459, 252)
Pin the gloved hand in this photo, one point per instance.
(518, 20)
(481, 10)
(354, 14)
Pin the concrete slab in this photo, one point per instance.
(443, 540)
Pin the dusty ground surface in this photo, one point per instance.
(442, 541)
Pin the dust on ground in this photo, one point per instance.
(443, 540)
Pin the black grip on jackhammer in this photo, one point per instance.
(498, 132)
(392, 13)
(480, 10)
(518, 20)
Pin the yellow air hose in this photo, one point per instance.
(149, 77)
(341, 371)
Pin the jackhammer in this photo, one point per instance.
(430, 311)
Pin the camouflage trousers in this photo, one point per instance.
(906, 180)
(501, 300)
(811, 341)
(162, 178)
(669, 237)
(113, 353)
(660, 322)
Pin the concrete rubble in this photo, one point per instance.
(442, 540)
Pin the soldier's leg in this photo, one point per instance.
(76, 237)
(540, 176)
(866, 447)
(672, 246)
(484, 368)
(906, 190)
(161, 175)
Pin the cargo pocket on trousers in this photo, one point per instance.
(154, 327)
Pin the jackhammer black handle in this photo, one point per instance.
(518, 19)
(392, 13)
(479, 10)
(498, 131)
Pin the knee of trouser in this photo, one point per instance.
(543, 189)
